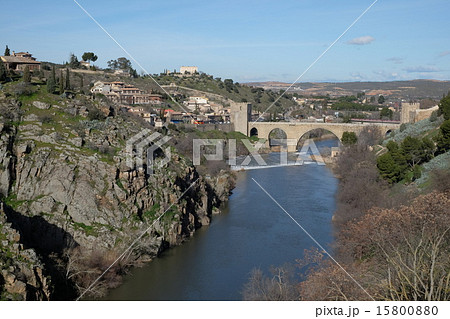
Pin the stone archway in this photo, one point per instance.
(254, 132)
(277, 139)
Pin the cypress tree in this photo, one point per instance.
(61, 83)
(7, 53)
(67, 80)
(51, 82)
(2, 71)
(27, 75)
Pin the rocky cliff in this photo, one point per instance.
(70, 197)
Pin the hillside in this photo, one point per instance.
(69, 201)
(415, 89)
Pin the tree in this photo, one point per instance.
(67, 86)
(51, 82)
(113, 65)
(73, 62)
(386, 112)
(61, 83)
(89, 56)
(7, 52)
(412, 149)
(349, 138)
(27, 75)
(381, 99)
(388, 168)
(444, 107)
(3, 73)
(443, 139)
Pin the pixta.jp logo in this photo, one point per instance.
(146, 146)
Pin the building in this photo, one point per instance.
(189, 69)
(199, 103)
(85, 64)
(120, 92)
(18, 61)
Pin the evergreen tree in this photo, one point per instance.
(27, 75)
(7, 52)
(389, 170)
(444, 107)
(61, 83)
(349, 138)
(67, 80)
(443, 140)
(3, 73)
(51, 82)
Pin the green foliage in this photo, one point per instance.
(381, 99)
(402, 127)
(3, 73)
(443, 139)
(73, 62)
(401, 161)
(434, 116)
(386, 112)
(89, 56)
(51, 82)
(67, 85)
(27, 75)
(96, 114)
(444, 107)
(389, 169)
(7, 51)
(349, 138)
(61, 82)
(350, 106)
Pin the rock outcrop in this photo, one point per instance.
(67, 185)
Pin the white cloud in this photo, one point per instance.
(445, 53)
(422, 69)
(361, 40)
(396, 60)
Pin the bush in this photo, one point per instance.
(96, 114)
(434, 116)
(349, 138)
(402, 127)
(23, 89)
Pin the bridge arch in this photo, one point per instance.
(277, 139)
(254, 132)
(317, 133)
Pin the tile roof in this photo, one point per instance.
(18, 59)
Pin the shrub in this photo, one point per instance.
(96, 114)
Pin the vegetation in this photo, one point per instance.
(349, 138)
(3, 73)
(444, 107)
(89, 56)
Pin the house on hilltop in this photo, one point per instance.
(18, 61)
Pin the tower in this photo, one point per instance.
(241, 113)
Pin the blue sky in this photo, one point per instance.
(246, 40)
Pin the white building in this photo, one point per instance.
(101, 87)
(189, 69)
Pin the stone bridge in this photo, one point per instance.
(295, 130)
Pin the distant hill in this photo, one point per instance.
(414, 89)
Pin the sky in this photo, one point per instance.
(246, 40)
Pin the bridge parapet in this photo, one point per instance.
(295, 130)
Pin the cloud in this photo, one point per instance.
(361, 40)
(386, 75)
(445, 53)
(422, 69)
(396, 60)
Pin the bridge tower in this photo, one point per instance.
(241, 114)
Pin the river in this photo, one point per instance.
(251, 232)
